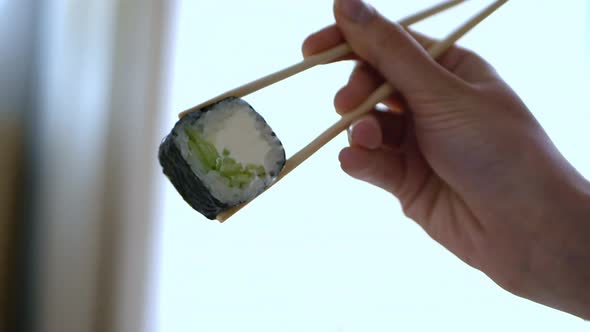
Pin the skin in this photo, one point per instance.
(466, 159)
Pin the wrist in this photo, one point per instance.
(560, 258)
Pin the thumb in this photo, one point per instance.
(391, 50)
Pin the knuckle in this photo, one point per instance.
(391, 44)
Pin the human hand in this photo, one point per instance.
(466, 159)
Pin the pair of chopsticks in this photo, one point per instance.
(312, 61)
(376, 97)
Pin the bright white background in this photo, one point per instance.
(323, 252)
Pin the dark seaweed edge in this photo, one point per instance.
(182, 177)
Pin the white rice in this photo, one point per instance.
(234, 126)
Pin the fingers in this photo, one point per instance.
(382, 166)
(322, 40)
(363, 81)
(366, 133)
(378, 167)
(391, 50)
(379, 130)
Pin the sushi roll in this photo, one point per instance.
(221, 155)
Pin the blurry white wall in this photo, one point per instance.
(323, 252)
(99, 95)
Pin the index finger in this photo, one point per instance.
(324, 40)
(461, 62)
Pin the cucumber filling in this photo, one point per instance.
(238, 175)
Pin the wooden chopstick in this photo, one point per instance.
(314, 60)
(379, 95)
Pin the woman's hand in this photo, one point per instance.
(466, 158)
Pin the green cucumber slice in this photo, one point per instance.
(238, 175)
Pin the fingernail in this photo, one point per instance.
(349, 133)
(355, 10)
(366, 134)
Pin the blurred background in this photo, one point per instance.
(94, 238)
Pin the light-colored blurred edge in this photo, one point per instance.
(587, 19)
(137, 98)
(100, 95)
